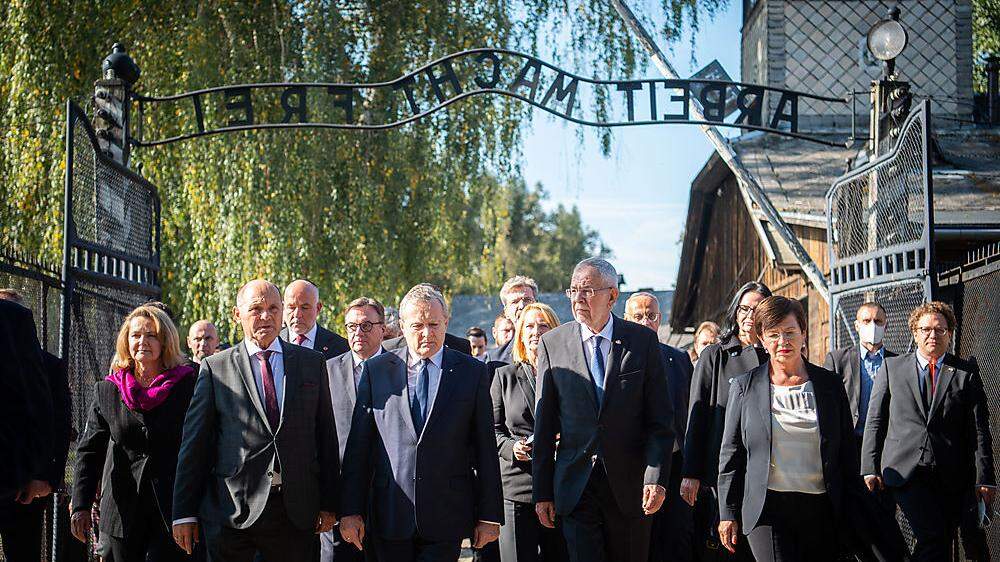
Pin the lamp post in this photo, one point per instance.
(890, 98)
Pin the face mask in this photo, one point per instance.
(871, 333)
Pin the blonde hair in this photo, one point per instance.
(166, 332)
(520, 352)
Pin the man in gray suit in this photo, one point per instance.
(603, 391)
(258, 463)
(365, 323)
(517, 292)
(422, 446)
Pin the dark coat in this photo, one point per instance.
(717, 366)
(513, 392)
(122, 451)
(744, 462)
(330, 344)
(956, 428)
(436, 485)
(846, 362)
(223, 470)
(632, 427)
(678, 367)
(502, 354)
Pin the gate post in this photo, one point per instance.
(111, 98)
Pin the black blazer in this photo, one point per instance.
(26, 409)
(633, 427)
(718, 365)
(678, 367)
(513, 392)
(502, 354)
(450, 341)
(745, 459)
(437, 484)
(330, 344)
(956, 428)
(122, 451)
(846, 362)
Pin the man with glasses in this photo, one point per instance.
(927, 437)
(673, 524)
(301, 308)
(517, 292)
(365, 324)
(603, 391)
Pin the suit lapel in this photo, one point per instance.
(578, 351)
(241, 361)
(854, 374)
(826, 416)
(523, 375)
(323, 337)
(913, 380)
(944, 379)
(760, 390)
(613, 363)
(291, 364)
(446, 386)
(347, 374)
(398, 377)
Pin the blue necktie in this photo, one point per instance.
(418, 403)
(597, 368)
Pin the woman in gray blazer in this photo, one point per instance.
(522, 537)
(787, 461)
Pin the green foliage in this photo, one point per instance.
(358, 213)
(985, 38)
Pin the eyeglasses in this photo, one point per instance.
(644, 317)
(364, 326)
(926, 331)
(744, 309)
(585, 292)
(778, 336)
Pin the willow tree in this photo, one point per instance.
(358, 213)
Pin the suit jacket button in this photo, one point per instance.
(270, 474)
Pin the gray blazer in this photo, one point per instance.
(503, 354)
(956, 428)
(633, 428)
(343, 395)
(435, 485)
(846, 362)
(223, 469)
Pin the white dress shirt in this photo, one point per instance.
(310, 341)
(358, 364)
(434, 376)
(589, 342)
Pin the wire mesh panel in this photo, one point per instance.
(898, 299)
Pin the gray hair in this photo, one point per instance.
(607, 271)
(642, 294)
(517, 281)
(391, 316)
(423, 292)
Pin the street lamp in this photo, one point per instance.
(887, 39)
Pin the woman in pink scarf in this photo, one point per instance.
(129, 447)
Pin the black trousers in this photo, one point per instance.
(148, 538)
(333, 548)
(673, 524)
(524, 539)
(21, 529)
(705, 536)
(932, 511)
(795, 527)
(273, 535)
(416, 550)
(597, 531)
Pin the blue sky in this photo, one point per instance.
(637, 197)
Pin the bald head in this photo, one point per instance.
(258, 311)
(302, 306)
(643, 308)
(202, 340)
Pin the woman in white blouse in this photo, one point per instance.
(788, 453)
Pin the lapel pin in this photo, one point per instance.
(325, 348)
(618, 342)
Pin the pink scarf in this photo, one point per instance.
(143, 399)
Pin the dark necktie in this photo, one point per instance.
(418, 403)
(597, 368)
(270, 395)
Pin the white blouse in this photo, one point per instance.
(796, 461)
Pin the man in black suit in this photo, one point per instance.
(422, 446)
(673, 524)
(302, 307)
(258, 464)
(516, 293)
(22, 514)
(927, 438)
(365, 323)
(603, 390)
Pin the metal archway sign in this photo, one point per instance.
(436, 85)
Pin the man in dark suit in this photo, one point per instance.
(517, 292)
(365, 322)
(302, 307)
(673, 524)
(22, 514)
(927, 438)
(422, 446)
(603, 390)
(258, 463)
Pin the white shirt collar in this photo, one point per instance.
(358, 360)
(310, 335)
(605, 332)
(879, 351)
(254, 349)
(436, 359)
(924, 361)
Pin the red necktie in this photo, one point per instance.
(270, 395)
(931, 368)
(299, 339)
